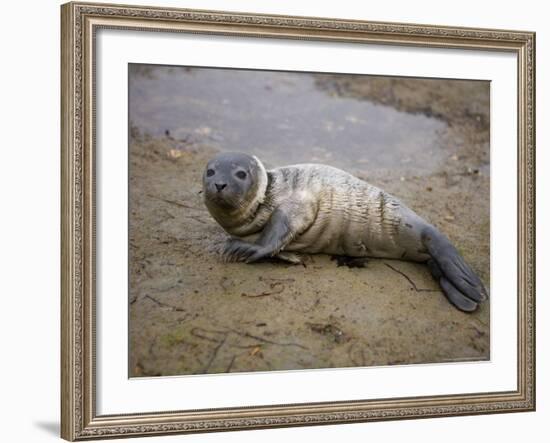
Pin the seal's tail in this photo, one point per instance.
(461, 285)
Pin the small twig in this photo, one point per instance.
(409, 280)
(195, 333)
(167, 216)
(253, 345)
(164, 305)
(277, 287)
(247, 334)
(483, 324)
(228, 369)
(278, 280)
(152, 347)
(263, 294)
(214, 355)
(173, 202)
(196, 218)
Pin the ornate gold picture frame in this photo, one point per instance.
(80, 23)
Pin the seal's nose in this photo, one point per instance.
(220, 187)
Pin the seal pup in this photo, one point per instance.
(314, 208)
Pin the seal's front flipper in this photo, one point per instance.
(277, 233)
(236, 250)
(454, 275)
(289, 257)
(286, 222)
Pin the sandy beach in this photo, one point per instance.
(192, 314)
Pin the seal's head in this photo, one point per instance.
(234, 184)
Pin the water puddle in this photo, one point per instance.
(281, 117)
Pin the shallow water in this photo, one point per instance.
(281, 117)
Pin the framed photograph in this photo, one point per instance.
(282, 221)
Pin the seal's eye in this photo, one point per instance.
(210, 172)
(241, 175)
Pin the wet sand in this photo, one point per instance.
(192, 314)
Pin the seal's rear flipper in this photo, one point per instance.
(457, 279)
(453, 295)
(456, 298)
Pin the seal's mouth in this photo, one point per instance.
(223, 200)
